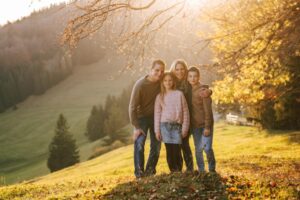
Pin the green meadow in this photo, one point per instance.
(25, 133)
(251, 164)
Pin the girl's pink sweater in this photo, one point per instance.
(173, 109)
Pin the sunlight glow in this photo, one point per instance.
(196, 2)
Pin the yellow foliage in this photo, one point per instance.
(251, 39)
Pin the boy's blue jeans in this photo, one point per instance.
(146, 123)
(204, 143)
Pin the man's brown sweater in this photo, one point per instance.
(142, 100)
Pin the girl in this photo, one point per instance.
(171, 120)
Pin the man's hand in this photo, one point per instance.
(184, 134)
(137, 133)
(158, 136)
(204, 92)
(206, 132)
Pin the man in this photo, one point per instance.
(141, 113)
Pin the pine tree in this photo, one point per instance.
(94, 127)
(109, 119)
(116, 120)
(62, 150)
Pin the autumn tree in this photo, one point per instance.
(257, 48)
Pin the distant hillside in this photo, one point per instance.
(32, 59)
(26, 132)
(250, 165)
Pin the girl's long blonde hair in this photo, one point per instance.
(162, 87)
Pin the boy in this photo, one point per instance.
(201, 122)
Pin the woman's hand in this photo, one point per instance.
(204, 92)
(206, 132)
(158, 136)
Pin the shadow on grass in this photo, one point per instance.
(172, 186)
(205, 186)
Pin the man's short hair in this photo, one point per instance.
(158, 62)
(194, 69)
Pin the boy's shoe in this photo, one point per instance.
(212, 171)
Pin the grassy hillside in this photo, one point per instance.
(250, 164)
(26, 132)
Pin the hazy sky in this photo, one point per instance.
(12, 10)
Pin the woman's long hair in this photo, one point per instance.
(162, 87)
(181, 85)
(181, 62)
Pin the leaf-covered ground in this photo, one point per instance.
(202, 186)
(251, 164)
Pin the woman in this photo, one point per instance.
(171, 120)
(180, 70)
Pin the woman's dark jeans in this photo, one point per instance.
(187, 153)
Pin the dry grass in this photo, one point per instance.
(252, 164)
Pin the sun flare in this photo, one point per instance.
(195, 2)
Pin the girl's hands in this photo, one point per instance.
(206, 132)
(184, 134)
(158, 136)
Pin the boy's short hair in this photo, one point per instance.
(158, 62)
(194, 69)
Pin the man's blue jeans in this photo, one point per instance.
(146, 123)
(204, 143)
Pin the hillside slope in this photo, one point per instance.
(26, 132)
(250, 164)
